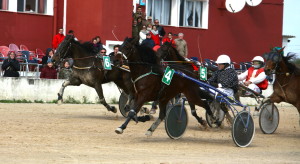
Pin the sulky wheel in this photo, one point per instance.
(243, 129)
(268, 118)
(176, 121)
(123, 104)
(217, 112)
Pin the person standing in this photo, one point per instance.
(148, 42)
(11, 65)
(161, 30)
(58, 38)
(135, 29)
(138, 13)
(142, 34)
(155, 35)
(181, 45)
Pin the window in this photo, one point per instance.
(160, 10)
(190, 13)
(3, 4)
(34, 6)
(184, 13)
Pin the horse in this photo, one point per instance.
(286, 85)
(146, 73)
(168, 53)
(88, 70)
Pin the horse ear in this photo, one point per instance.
(265, 56)
(135, 40)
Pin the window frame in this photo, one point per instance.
(175, 14)
(48, 7)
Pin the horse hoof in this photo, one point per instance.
(113, 109)
(119, 131)
(148, 133)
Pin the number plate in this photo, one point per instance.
(203, 73)
(167, 78)
(106, 63)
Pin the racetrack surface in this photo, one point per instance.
(69, 133)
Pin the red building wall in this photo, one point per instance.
(32, 30)
(241, 35)
(99, 17)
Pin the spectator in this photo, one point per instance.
(103, 52)
(255, 76)
(58, 38)
(155, 35)
(139, 23)
(181, 45)
(142, 34)
(49, 72)
(66, 71)
(149, 20)
(71, 32)
(169, 39)
(144, 20)
(135, 29)
(11, 65)
(148, 41)
(149, 27)
(99, 43)
(138, 13)
(161, 30)
(49, 55)
(114, 53)
(95, 45)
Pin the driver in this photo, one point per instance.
(255, 77)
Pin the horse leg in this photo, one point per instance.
(161, 117)
(61, 91)
(99, 91)
(199, 119)
(132, 114)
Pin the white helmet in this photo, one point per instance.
(258, 58)
(223, 59)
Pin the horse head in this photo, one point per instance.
(128, 46)
(63, 50)
(168, 52)
(272, 59)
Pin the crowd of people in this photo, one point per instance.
(150, 34)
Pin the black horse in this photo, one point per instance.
(146, 73)
(88, 69)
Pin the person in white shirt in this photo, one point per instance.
(255, 77)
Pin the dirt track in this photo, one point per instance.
(48, 133)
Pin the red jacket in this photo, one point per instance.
(170, 41)
(262, 85)
(48, 73)
(57, 39)
(155, 38)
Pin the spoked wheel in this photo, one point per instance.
(243, 129)
(217, 112)
(268, 118)
(123, 104)
(176, 121)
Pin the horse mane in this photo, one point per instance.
(147, 54)
(88, 47)
(180, 58)
(291, 66)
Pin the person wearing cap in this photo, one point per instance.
(226, 80)
(181, 45)
(11, 66)
(148, 42)
(255, 77)
(49, 72)
(225, 77)
(66, 71)
(149, 20)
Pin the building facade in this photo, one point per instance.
(210, 30)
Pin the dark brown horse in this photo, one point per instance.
(286, 85)
(88, 70)
(146, 72)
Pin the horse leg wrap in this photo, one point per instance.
(144, 118)
(132, 115)
(154, 125)
(59, 96)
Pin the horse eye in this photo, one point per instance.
(276, 58)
